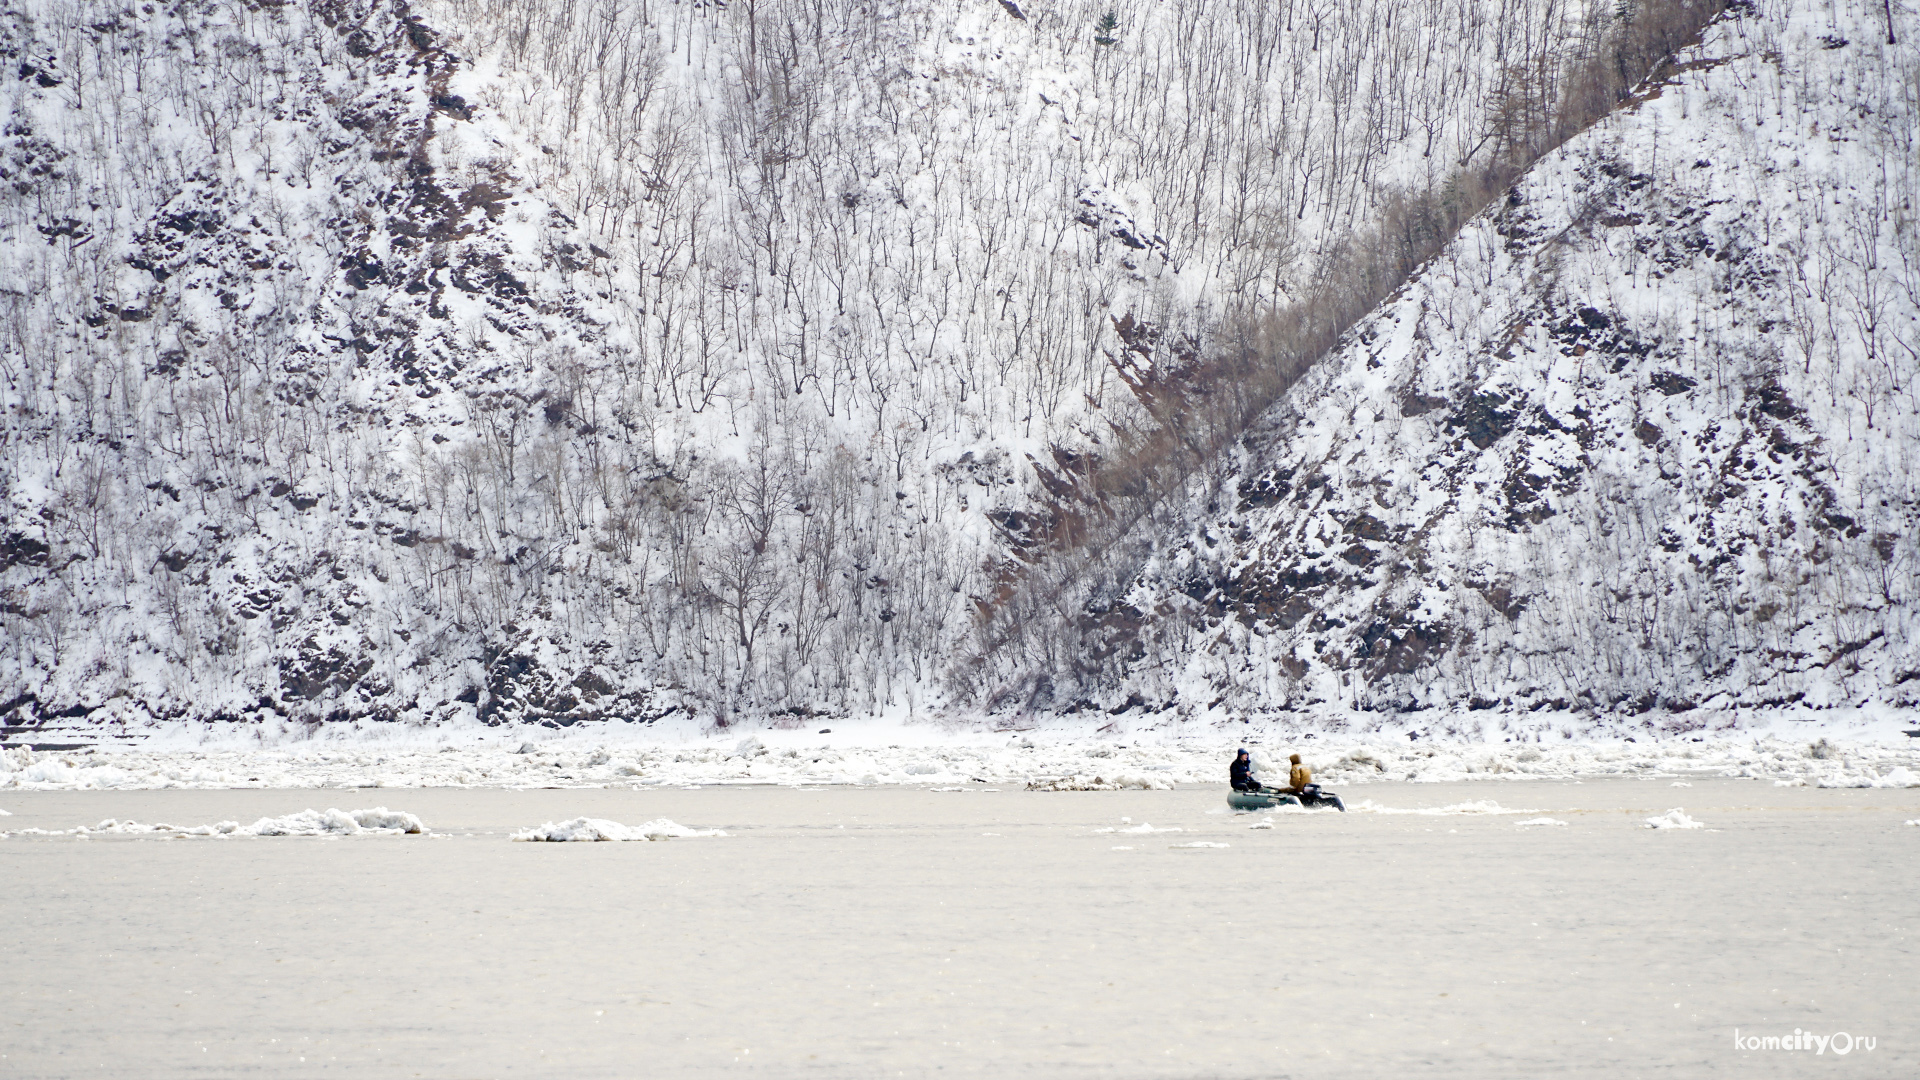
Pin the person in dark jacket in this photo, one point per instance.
(1240, 773)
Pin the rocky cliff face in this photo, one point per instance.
(515, 361)
(1640, 443)
(256, 256)
(532, 361)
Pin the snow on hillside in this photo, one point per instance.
(534, 361)
(1642, 443)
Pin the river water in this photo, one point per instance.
(856, 932)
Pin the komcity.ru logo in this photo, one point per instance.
(1839, 1042)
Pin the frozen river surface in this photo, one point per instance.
(860, 932)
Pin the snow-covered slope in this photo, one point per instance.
(1642, 442)
(245, 250)
(564, 360)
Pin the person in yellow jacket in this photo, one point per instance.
(1300, 783)
(1298, 777)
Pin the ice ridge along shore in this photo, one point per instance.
(958, 767)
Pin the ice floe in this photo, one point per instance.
(1139, 830)
(1118, 782)
(1897, 777)
(594, 829)
(329, 822)
(1539, 821)
(1675, 818)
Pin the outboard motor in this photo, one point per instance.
(1311, 795)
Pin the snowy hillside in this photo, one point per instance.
(1642, 443)
(553, 361)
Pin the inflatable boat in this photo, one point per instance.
(1268, 798)
(1259, 800)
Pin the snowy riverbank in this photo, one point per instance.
(919, 756)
